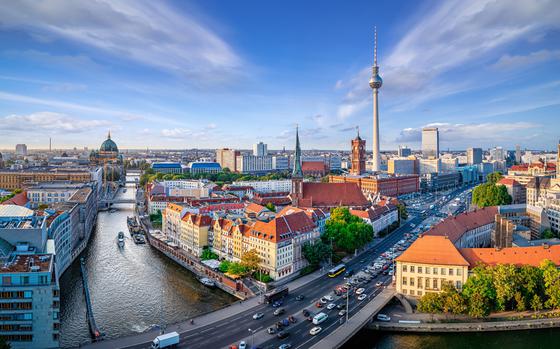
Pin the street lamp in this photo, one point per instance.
(252, 337)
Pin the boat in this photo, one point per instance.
(207, 282)
(120, 239)
(139, 239)
(124, 190)
(112, 210)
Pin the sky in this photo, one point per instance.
(211, 74)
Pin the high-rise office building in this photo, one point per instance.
(21, 149)
(404, 151)
(375, 83)
(260, 149)
(430, 142)
(474, 156)
(518, 154)
(227, 158)
(498, 154)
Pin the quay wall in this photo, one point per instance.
(488, 326)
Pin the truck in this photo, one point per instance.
(166, 340)
(276, 294)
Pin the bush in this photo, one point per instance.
(262, 277)
(308, 269)
(208, 254)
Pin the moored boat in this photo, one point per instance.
(207, 282)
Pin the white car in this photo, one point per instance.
(329, 298)
(342, 312)
(378, 284)
(331, 306)
(362, 297)
(242, 345)
(315, 330)
(360, 290)
(258, 316)
(383, 317)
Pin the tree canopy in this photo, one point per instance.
(490, 193)
(348, 232)
(251, 260)
(316, 253)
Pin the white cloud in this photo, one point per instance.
(525, 61)
(149, 32)
(448, 37)
(176, 132)
(51, 122)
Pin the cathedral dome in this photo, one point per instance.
(109, 145)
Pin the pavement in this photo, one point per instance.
(231, 324)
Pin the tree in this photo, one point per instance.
(347, 231)
(494, 177)
(316, 253)
(251, 260)
(403, 214)
(430, 302)
(536, 303)
(208, 254)
(505, 283)
(270, 206)
(224, 266)
(490, 193)
(551, 278)
(237, 269)
(452, 301)
(479, 291)
(519, 302)
(4, 344)
(548, 234)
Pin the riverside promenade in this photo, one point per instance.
(488, 326)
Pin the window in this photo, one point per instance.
(419, 270)
(412, 268)
(420, 284)
(427, 270)
(435, 284)
(435, 271)
(6, 280)
(411, 281)
(412, 292)
(450, 271)
(404, 280)
(458, 285)
(419, 293)
(443, 270)
(459, 272)
(427, 283)
(404, 291)
(404, 268)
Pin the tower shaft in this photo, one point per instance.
(376, 157)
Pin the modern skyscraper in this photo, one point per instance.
(21, 149)
(430, 142)
(404, 151)
(358, 155)
(375, 83)
(474, 156)
(518, 154)
(497, 154)
(227, 158)
(260, 149)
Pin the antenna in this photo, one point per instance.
(375, 46)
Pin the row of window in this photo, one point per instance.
(428, 283)
(16, 305)
(432, 270)
(16, 294)
(16, 328)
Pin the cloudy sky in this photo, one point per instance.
(206, 74)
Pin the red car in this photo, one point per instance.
(319, 305)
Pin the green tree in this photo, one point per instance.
(251, 260)
(237, 269)
(536, 303)
(431, 302)
(316, 253)
(505, 284)
(479, 291)
(548, 234)
(208, 254)
(4, 344)
(490, 193)
(519, 302)
(271, 207)
(347, 231)
(494, 177)
(224, 266)
(403, 214)
(551, 278)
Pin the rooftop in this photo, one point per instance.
(433, 250)
(533, 255)
(15, 211)
(27, 263)
(454, 227)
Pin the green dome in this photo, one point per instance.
(109, 145)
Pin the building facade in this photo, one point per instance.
(474, 156)
(358, 156)
(226, 158)
(430, 142)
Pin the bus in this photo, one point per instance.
(334, 272)
(317, 319)
(276, 294)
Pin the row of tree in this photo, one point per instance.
(499, 288)
(491, 193)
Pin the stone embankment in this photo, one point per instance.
(489, 326)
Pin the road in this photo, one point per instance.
(233, 329)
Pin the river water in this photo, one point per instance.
(130, 288)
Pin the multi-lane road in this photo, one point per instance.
(231, 330)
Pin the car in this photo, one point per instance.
(279, 311)
(339, 306)
(242, 345)
(383, 317)
(362, 297)
(233, 347)
(342, 312)
(329, 298)
(319, 305)
(258, 316)
(331, 306)
(276, 304)
(285, 346)
(315, 330)
(282, 334)
(271, 330)
(305, 312)
(300, 297)
(344, 296)
(378, 284)
(286, 322)
(292, 319)
(323, 300)
(360, 290)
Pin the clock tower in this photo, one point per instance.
(358, 155)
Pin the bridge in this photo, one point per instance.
(117, 201)
(343, 333)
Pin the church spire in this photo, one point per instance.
(297, 158)
(109, 135)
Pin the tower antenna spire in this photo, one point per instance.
(375, 46)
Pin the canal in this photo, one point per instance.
(131, 287)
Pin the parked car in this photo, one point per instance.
(258, 316)
(305, 312)
(329, 298)
(339, 306)
(292, 319)
(360, 290)
(319, 305)
(300, 297)
(331, 306)
(279, 311)
(286, 322)
(342, 312)
(378, 284)
(242, 345)
(362, 297)
(271, 330)
(383, 317)
(285, 346)
(282, 334)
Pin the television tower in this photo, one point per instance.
(375, 83)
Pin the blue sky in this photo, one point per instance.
(207, 74)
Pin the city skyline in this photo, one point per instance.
(484, 79)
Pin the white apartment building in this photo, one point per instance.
(280, 185)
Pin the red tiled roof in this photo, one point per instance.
(314, 213)
(432, 250)
(197, 219)
(255, 208)
(533, 255)
(454, 227)
(313, 166)
(18, 199)
(519, 167)
(283, 227)
(360, 213)
(332, 195)
(508, 181)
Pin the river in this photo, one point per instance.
(130, 288)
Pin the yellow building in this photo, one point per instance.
(427, 264)
(194, 233)
(11, 180)
(171, 222)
